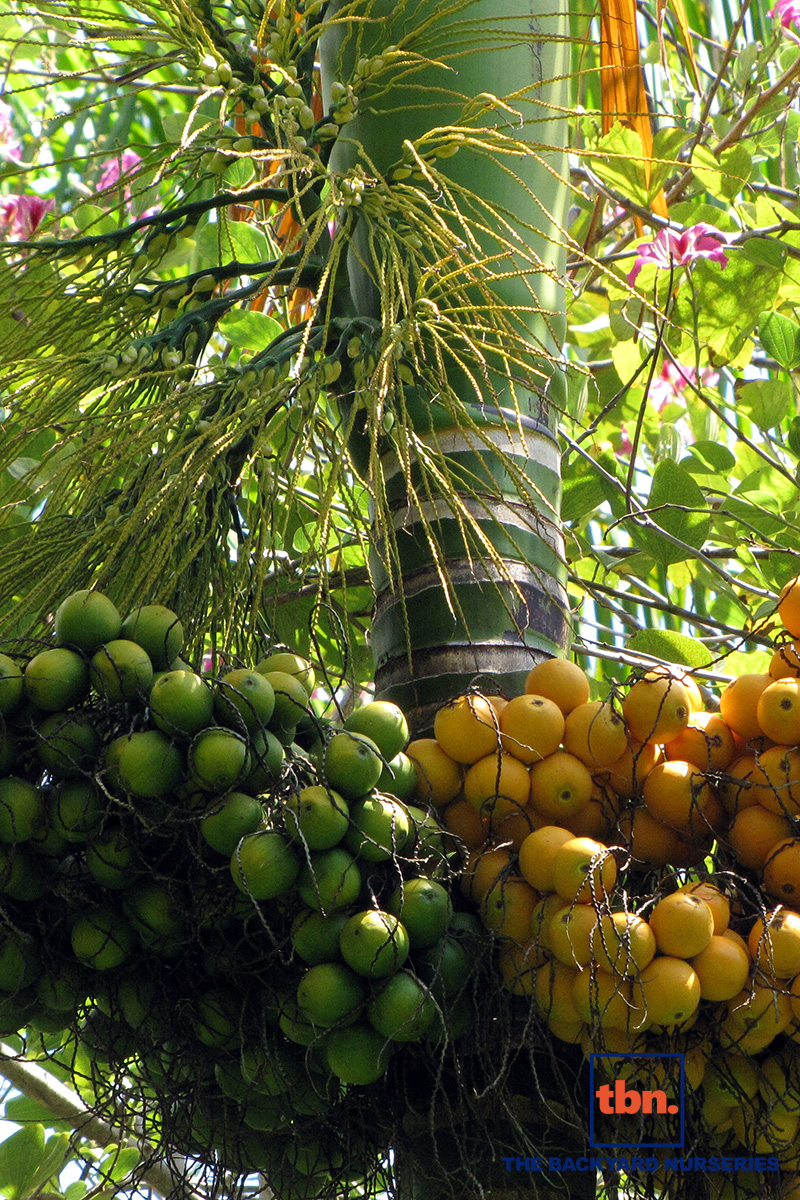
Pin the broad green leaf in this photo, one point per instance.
(248, 330)
(718, 457)
(118, 1166)
(667, 145)
(722, 304)
(20, 1157)
(765, 401)
(672, 504)
(670, 646)
(581, 497)
(780, 337)
(56, 1152)
(619, 161)
(723, 177)
(764, 252)
(793, 436)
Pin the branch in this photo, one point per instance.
(38, 1084)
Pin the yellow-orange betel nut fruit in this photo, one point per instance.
(677, 794)
(785, 661)
(497, 785)
(559, 680)
(706, 742)
(780, 877)
(668, 991)
(438, 775)
(774, 943)
(584, 871)
(648, 840)
(559, 786)
(739, 701)
(778, 711)
(656, 709)
(775, 780)
(569, 934)
(683, 924)
(755, 833)
(722, 968)
(789, 606)
(623, 943)
(628, 773)
(531, 727)
(467, 728)
(595, 733)
(716, 900)
(537, 852)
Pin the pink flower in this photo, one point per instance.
(9, 142)
(788, 11)
(675, 248)
(672, 380)
(21, 216)
(115, 167)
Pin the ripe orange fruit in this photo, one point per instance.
(776, 780)
(482, 869)
(706, 742)
(785, 662)
(466, 728)
(598, 818)
(623, 943)
(560, 785)
(774, 943)
(542, 916)
(716, 900)
(552, 991)
(754, 834)
(569, 934)
(647, 840)
(682, 923)
(722, 968)
(595, 733)
(789, 606)
(780, 876)
(497, 785)
(518, 966)
(668, 991)
(512, 830)
(438, 775)
(584, 871)
(656, 709)
(507, 908)
(601, 999)
(536, 855)
(677, 795)
(531, 727)
(739, 701)
(778, 711)
(736, 789)
(460, 818)
(559, 680)
(628, 773)
(760, 1009)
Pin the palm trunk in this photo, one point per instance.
(448, 612)
(498, 617)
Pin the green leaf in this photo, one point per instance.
(671, 647)
(55, 1155)
(120, 1164)
(619, 161)
(746, 662)
(20, 1156)
(765, 401)
(718, 457)
(581, 497)
(723, 177)
(674, 495)
(764, 252)
(249, 330)
(793, 436)
(780, 337)
(722, 305)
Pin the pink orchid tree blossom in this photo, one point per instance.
(673, 379)
(681, 248)
(9, 142)
(114, 170)
(21, 216)
(788, 11)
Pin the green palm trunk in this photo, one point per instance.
(448, 606)
(502, 608)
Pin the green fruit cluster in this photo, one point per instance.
(205, 882)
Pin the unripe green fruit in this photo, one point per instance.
(22, 813)
(87, 619)
(244, 699)
(102, 938)
(121, 670)
(157, 630)
(149, 765)
(11, 685)
(56, 679)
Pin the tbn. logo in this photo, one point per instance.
(645, 1095)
